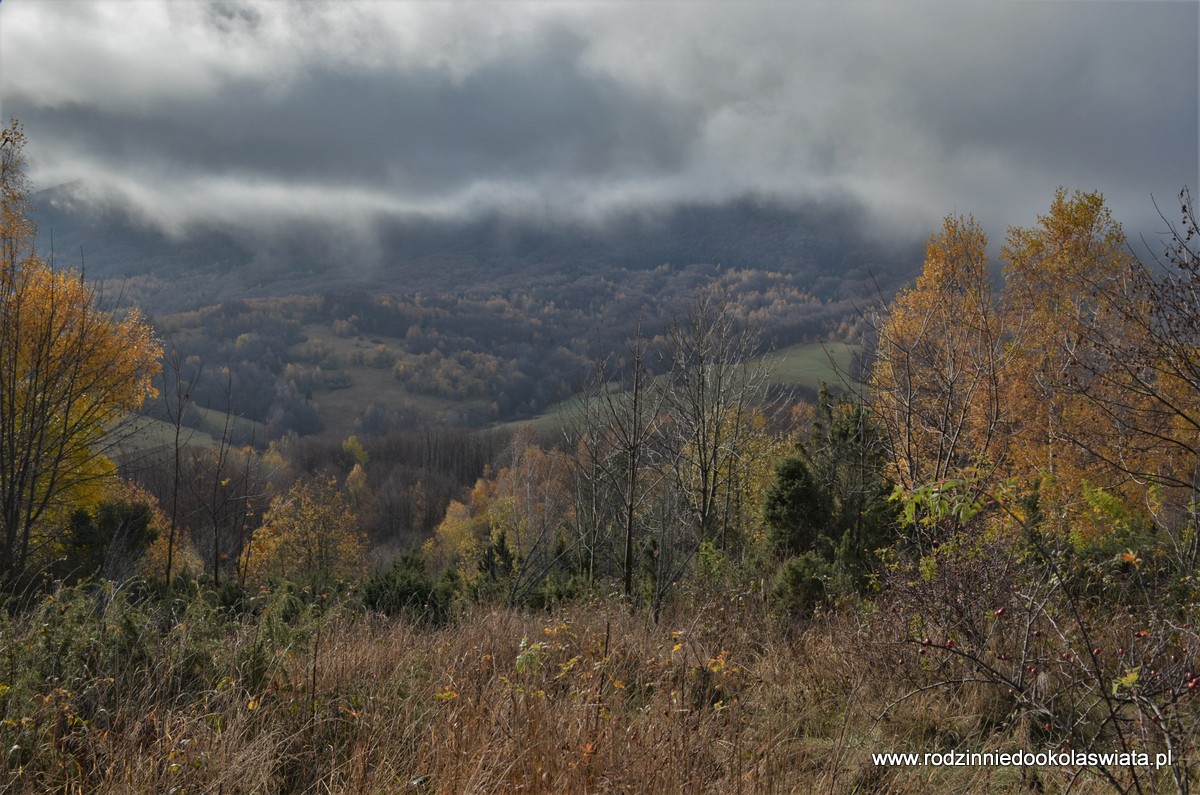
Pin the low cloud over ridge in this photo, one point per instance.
(256, 114)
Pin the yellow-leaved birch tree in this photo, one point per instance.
(70, 374)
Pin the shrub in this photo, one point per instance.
(802, 583)
(406, 589)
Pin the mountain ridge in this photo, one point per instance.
(829, 246)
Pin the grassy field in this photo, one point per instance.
(807, 365)
(810, 364)
(152, 434)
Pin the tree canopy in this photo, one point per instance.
(308, 535)
(1075, 378)
(70, 372)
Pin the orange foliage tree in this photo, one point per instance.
(70, 373)
(1077, 380)
(1062, 280)
(940, 363)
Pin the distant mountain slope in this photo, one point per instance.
(825, 246)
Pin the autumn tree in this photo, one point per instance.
(1077, 381)
(939, 363)
(310, 534)
(1119, 389)
(712, 451)
(460, 537)
(515, 532)
(70, 374)
(1168, 384)
(529, 517)
(1062, 277)
(225, 485)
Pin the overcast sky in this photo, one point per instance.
(248, 113)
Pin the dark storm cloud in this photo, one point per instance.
(248, 113)
(533, 115)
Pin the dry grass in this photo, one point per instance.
(719, 698)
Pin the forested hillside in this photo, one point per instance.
(355, 362)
